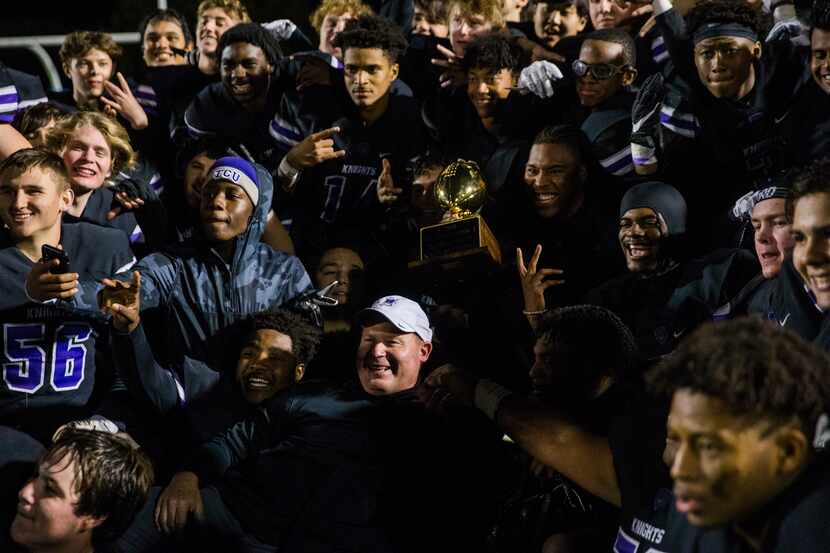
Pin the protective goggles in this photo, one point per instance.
(599, 71)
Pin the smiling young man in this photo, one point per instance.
(604, 70)
(51, 362)
(802, 298)
(665, 294)
(94, 149)
(165, 39)
(241, 107)
(477, 122)
(214, 18)
(221, 275)
(792, 299)
(748, 409)
(353, 455)
(806, 122)
(87, 488)
(276, 347)
(554, 20)
(564, 216)
(171, 88)
(45, 385)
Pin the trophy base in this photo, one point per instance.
(458, 236)
(463, 265)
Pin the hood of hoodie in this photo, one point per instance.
(248, 241)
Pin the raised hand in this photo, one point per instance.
(127, 203)
(387, 193)
(535, 281)
(314, 149)
(645, 118)
(124, 103)
(123, 301)
(538, 78)
(453, 75)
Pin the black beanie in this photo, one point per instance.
(663, 198)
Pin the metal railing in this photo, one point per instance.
(36, 44)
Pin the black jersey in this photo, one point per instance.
(168, 92)
(340, 196)
(661, 307)
(738, 138)
(48, 355)
(806, 125)
(99, 204)
(608, 129)
(637, 438)
(797, 521)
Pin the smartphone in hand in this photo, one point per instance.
(49, 253)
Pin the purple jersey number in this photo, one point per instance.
(25, 358)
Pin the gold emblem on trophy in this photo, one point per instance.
(462, 236)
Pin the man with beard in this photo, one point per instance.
(566, 218)
(347, 468)
(663, 294)
(748, 410)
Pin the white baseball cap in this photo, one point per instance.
(403, 313)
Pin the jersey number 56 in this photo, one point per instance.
(24, 366)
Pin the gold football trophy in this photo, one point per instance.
(462, 238)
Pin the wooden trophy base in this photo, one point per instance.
(457, 250)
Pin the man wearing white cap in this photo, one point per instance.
(337, 468)
(396, 340)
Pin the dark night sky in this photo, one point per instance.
(49, 17)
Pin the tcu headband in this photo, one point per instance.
(237, 171)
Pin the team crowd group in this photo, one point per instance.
(224, 328)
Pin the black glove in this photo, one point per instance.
(645, 119)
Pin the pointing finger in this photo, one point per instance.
(316, 137)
